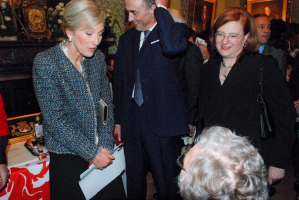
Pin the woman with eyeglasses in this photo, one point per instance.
(230, 87)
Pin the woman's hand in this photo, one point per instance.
(275, 174)
(192, 130)
(103, 159)
(3, 175)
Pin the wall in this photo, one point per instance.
(118, 14)
(222, 4)
(118, 9)
(183, 5)
(295, 13)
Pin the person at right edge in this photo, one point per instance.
(149, 107)
(230, 87)
(4, 132)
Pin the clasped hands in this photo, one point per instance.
(103, 159)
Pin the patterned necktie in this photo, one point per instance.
(146, 33)
(138, 97)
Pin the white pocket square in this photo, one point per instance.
(155, 41)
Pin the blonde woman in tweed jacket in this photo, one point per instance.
(69, 80)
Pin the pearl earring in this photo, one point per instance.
(70, 39)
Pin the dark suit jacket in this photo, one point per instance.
(189, 78)
(294, 79)
(158, 63)
(280, 55)
(234, 104)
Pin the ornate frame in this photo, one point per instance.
(192, 8)
(286, 10)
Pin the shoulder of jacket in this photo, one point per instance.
(48, 53)
(129, 33)
(277, 51)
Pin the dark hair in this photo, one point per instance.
(280, 44)
(259, 15)
(236, 14)
(192, 34)
(109, 58)
(149, 3)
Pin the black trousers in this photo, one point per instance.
(144, 150)
(295, 153)
(65, 170)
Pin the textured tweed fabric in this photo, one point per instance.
(70, 103)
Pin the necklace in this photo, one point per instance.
(223, 64)
(223, 77)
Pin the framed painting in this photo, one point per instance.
(275, 9)
(201, 15)
(22, 125)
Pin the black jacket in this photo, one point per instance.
(234, 104)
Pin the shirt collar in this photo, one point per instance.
(150, 29)
(261, 48)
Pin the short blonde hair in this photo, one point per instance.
(82, 13)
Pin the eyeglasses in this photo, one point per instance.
(180, 161)
(230, 37)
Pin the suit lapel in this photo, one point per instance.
(153, 36)
(267, 50)
(136, 42)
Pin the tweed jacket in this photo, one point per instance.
(234, 104)
(70, 106)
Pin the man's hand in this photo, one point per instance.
(117, 134)
(3, 175)
(192, 130)
(204, 51)
(275, 174)
(162, 2)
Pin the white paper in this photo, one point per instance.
(124, 174)
(200, 41)
(18, 155)
(97, 179)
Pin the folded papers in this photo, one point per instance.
(94, 180)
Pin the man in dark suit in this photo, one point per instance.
(149, 107)
(263, 25)
(190, 66)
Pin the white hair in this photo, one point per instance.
(227, 167)
(177, 16)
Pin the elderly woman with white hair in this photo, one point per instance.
(222, 166)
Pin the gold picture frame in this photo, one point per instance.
(22, 125)
(201, 15)
(280, 9)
